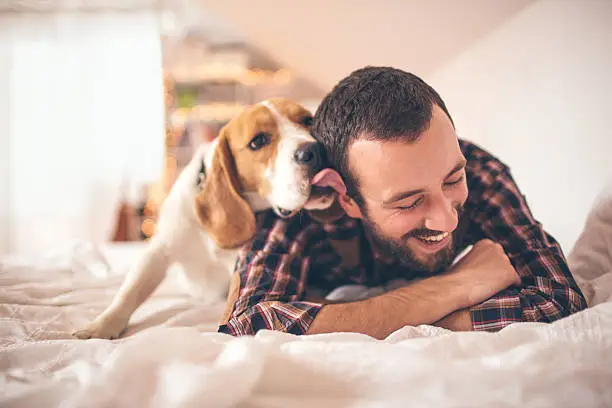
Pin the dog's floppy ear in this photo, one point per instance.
(223, 213)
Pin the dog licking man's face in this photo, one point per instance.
(276, 157)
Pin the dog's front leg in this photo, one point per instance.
(139, 283)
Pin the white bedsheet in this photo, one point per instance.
(172, 357)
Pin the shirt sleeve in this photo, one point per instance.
(273, 278)
(548, 290)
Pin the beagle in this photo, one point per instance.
(263, 158)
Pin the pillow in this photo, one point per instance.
(590, 260)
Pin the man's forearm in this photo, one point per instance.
(423, 302)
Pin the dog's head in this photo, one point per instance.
(263, 158)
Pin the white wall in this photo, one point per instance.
(324, 40)
(537, 93)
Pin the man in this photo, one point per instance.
(414, 196)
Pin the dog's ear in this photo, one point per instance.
(332, 213)
(223, 213)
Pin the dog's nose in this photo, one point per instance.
(310, 154)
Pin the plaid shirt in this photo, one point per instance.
(286, 258)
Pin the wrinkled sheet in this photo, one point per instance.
(172, 357)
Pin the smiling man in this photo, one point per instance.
(413, 197)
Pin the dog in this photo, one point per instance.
(264, 158)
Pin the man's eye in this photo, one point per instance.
(260, 140)
(411, 206)
(306, 121)
(454, 183)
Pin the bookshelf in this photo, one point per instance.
(201, 96)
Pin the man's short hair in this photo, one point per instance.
(374, 103)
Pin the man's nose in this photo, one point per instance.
(311, 155)
(442, 215)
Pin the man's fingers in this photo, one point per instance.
(485, 243)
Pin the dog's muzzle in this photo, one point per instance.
(311, 155)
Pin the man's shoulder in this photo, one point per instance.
(480, 160)
(275, 234)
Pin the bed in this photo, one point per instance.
(172, 356)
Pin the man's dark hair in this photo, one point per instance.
(374, 103)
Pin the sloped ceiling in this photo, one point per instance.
(324, 40)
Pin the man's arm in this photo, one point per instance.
(269, 282)
(440, 299)
(422, 302)
(498, 211)
(271, 296)
(269, 288)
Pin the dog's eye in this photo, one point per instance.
(306, 121)
(260, 140)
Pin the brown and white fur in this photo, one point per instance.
(209, 212)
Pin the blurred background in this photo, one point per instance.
(102, 102)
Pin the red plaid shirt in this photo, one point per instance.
(286, 258)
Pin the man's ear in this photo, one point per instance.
(343, 203)
(332, 213)
(219, 207)
(350, 207)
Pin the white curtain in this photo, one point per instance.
(81, 118)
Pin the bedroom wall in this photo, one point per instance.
(536, 92)
(325, 40)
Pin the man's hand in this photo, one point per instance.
(483, 272)
(460, 320)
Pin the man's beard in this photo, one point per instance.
(398, 248)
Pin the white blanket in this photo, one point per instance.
(173, 358)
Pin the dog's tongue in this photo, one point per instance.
(322, 178)
(329, 178)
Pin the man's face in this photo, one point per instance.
(413, 193)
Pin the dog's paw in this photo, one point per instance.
(101, 329)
